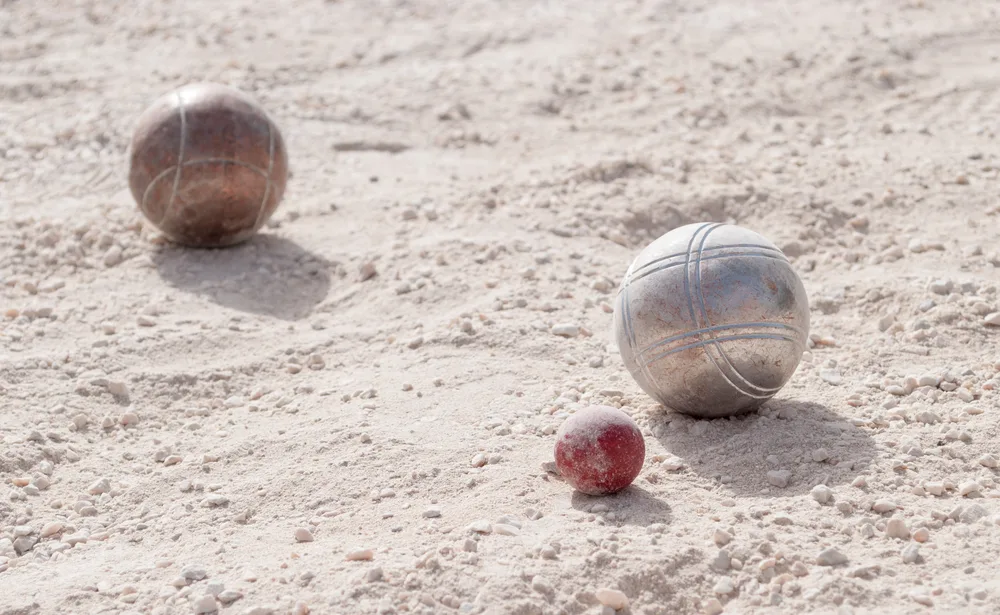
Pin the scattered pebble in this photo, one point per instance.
(613, 598)
(831, 557)
(303, 535)
(822, 494)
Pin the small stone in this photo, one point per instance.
(921, 534)
(941, 287)
(100, 486)
(779, 478)
(972, 514)
(911, 553)
(987, 461)
(935, 488)
(721, 538)
(613, 598)
(432, 512)
(831, 376)
(24, 544)
(712, 606)
(205, 604)
(367, 271)
(51, 529)
(478, 460)
(171, 460)
(859, 482)
(724, 587)
(884, 506)
(722, 561)
(230, 596)
(481, 527)
(820, 455)
(970, 489)
(566, 330)
(541, 585)
(920, 596)
(360, 555)
(214, 501)
(504, 529)
(831, 557)
(194, 572)
(822, 494)
(896, 528)
(303, 535)
(992, 319)
(145, 321)
(374, 575)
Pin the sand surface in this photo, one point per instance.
(263, 430)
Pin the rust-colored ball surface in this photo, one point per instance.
(207, 166)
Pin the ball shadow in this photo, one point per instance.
(266, 275)
(806, 440)
(632, 506)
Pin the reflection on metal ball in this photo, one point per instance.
(711, 320)
(207, 166)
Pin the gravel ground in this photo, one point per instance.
(355, 412)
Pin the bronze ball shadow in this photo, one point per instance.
(266, 275)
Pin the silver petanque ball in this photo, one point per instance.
(711, 320)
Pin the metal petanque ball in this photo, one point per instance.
(711, 320)
(207, 166)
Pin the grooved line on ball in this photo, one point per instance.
(239, 163)
(714, 328)
(270, 167)
(656, 261)
(180, 159)
(724, 338)
(149, 186)
(630, 334)
(666, 266)
(762, 392)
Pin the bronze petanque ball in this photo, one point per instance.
(207, 166)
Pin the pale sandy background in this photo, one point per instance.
(170, 420)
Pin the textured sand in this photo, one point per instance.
(271, 429)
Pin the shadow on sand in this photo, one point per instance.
(266, 275)
(811, 442)
(632, 506)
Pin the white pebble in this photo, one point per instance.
(721, 538)
(911, 553)
(724, 586)
(831, 557)
(432, 512)
(896, 528)
(779, 478)
(566, 330)
(205, 604)
(884, 506)
(612, 598)
(988, 461)
(822, 494)
(100, 486)
(712, 606)
(303, 535)
(360, 555)
(969, 488)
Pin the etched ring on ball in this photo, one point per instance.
(711, 320)
(207, 166)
